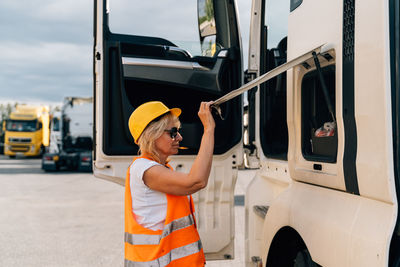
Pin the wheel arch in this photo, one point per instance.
(284, 247)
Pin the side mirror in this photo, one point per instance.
(207, 27)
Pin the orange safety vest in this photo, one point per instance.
(178, 244)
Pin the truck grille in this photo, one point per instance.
(19, 148)
(19, 140)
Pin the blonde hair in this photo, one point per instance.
(152, 132)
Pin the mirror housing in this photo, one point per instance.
(206, 18)
(207, 27)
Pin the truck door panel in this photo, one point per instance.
(310, 158)
(156, 74)
(133, 69)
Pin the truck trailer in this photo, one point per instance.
(71, 137)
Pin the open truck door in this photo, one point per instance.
(135, 62)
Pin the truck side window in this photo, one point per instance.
(163, 19)
(273, 125)
(319, 134)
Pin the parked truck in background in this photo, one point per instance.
(27, 131)
(55, 133)
(325, 132)
(71, 137)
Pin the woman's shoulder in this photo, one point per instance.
(143, 164)
(137, 169)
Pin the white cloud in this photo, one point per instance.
(50, 10)
(69, 11)
(45, 53)
(44, 70)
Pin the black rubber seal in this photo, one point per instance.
(350, 128)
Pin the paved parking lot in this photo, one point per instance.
(71, 219)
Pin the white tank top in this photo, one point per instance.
(148, 206)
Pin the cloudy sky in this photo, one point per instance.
(46, 47)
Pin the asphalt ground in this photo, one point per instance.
(72, 219)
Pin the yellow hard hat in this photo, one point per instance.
(146, 113)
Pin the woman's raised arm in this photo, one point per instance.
(171, 182)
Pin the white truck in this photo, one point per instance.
(71, 137)
(321, 196)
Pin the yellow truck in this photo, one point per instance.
(27, 131)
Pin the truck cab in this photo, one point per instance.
(324, 132)
(318, 199)
(27, 131)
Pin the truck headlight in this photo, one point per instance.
(32, 148)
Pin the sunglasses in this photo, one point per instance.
(173, 132)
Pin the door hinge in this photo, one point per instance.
(251, 160)
(98, 55)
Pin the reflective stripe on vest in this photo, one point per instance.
(174, 254)
(143, 239)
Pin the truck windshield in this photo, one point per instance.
(21, 126)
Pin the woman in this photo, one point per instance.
(160, 229)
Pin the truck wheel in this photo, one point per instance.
(303, 259)
(12, 156)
